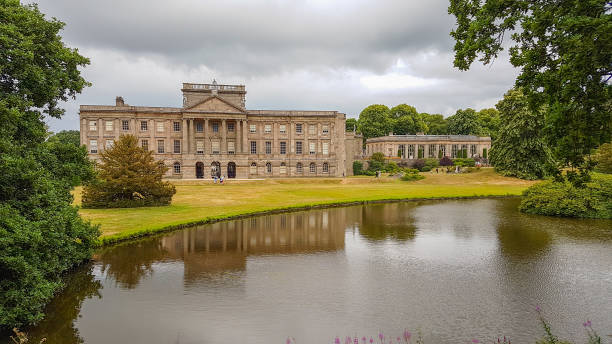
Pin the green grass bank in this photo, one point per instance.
(198, 202)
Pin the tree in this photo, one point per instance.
(520, 149)
(406, 120)
(69, 159)
(603, 158)
(129, 177)
(41, 233)
(464, 122)
(351, 124)
(489, 122)
(436, 124)
(564, 50)
(375, 121)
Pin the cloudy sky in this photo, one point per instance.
(291, 54)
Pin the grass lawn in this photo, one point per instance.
(200, 201)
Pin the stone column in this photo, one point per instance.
(245, 138)
(186, 146)
(192, 140)
(238, 144)
(223, 137)
(207, 145)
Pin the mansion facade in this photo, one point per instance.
(408, 147)
(213, 134)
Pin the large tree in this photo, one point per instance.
(520, 150)
(489, 122)
(70, 160)
(351, 124)
(375, 120)
(564, 51)
(406, 120)
(464, 122)
(436, 124)
(41, 233)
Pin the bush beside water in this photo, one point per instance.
(564, 199)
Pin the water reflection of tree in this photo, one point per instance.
(128, 264)
(62, 312)
(522, 236)
(388, 221)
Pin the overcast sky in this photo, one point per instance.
(302, 54)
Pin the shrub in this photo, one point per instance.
(562, 198)
(419, 164)
(379, 157)
(425, 169)
(391, 167)
(374, 165)
(357, 167)
(411, 174)
(432, 163)
(464, 162)
(446, 161)
(130, 177)
(603, 158)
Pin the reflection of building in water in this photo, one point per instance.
(224, 245)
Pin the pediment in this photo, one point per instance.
(217, 105)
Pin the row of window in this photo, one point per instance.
(434, 151)
(312, 147)
(176, 126)
(299, 168)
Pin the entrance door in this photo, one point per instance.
(215, 169)
(199, 170)
(231, 170)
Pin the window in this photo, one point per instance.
(199, 127)
(231, 147)
(176, 126)
(108, 126)
(298, 167)
(282, 128)
(230, 126)
(283, 168)
(443, 150)
(298, 147)
(312, 148)
(464, 151)
(268, 167)
(160, 127)
(454, 149)
(253, 169)
(410, 151)
(160, 146)
(144, 125)
(93, 146)
(283, 147)
(216, 147)
(268, 147)
(298, 128)
(472, 150)
(312, 129)
(252, 128)
(199, 147)
(325, 148)
(313, 167)
(177, 146)
(432, 151)
(215, 126)
(93, 125)
(268, 128)
(325, 129)
(144, 144)
(325, 167)
(125, 125)
(109, 144)
(253, 147)
(177, 167)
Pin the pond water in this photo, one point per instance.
(455, 270)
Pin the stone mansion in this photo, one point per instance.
(214, 134)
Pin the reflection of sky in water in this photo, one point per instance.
(454, 269)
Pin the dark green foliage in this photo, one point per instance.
(351, 124)
(41, 234)
(129, 177)
(406, 120)
(378, 157)
(375, 121)
(432, 163)
(489, 122)
(564, 51)
(391, 167)
(436, 124)
(485, 154)
(467, 162)
(603, 158)
(520, 150)
(446, 161)
(357, 167)
(464, 122)
(68, 159)
(565, 199)
(411, 175)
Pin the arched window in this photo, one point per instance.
(253, 169)
(177, 167)
(283, 168)
(268, 167)
(325, 167)
(313, 167)
(298, 167)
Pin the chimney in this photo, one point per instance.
(119, 101)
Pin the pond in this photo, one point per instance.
(455, 270)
